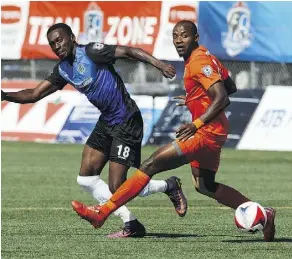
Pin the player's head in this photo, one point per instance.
(61, 39)
(185, 38)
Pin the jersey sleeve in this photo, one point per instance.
(56, 79)
(202, 71)
(101, 53)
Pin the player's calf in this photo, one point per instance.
(224, 194)
(205, 186)
(114, 185)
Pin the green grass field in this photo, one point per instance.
(39, 181)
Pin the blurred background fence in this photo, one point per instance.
(247, 75)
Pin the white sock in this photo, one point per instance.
(100, 191)
(153, 186)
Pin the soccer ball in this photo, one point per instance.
(250, 217)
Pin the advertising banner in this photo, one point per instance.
(65, 116)
(41, 121)
(244, 30)
(239, 112)
(247, 30)
(141, 24)
(82, 119)
(271, 125)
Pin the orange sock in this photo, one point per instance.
(127, 191)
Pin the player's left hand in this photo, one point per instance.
(186, 131)
(167, 70)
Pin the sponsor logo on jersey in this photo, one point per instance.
(81, 69)
(207, 70)
(87, 81)
(239, 36)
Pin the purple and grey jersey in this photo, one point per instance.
(92, 73)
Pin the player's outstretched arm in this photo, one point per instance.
(42, 90)
(167, 70)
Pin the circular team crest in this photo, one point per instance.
(238, 37)
(207, 70)
(93, 24)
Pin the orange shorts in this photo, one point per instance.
(202, 151)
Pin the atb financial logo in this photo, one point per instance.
(239, 36)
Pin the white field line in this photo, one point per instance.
(134, 208)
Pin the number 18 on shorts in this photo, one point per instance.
(125, 154)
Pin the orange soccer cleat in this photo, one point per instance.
(89, 213)
(269, 230)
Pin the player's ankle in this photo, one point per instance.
(108, 208)
(170, 184)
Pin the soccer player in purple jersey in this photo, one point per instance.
(118, 133)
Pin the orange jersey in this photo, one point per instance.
(202, 70)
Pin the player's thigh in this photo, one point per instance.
(202, 152)
(96, 151)
(210, 153)
(125, 153)
(165, 158)
(127, 141)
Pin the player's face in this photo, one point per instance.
(61, 43)
(183, 40)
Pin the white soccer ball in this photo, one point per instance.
(250, 217)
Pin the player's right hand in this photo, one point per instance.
(167, 70)
(186, 131)
(181, 100)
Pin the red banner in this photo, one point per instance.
(142, 24)
(134, 24)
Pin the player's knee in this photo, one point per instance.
(205, 186)
(89, 170)
(149, 167)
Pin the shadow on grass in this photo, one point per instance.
(259, 240)
(169, 235)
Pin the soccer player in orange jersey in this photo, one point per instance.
(198, 143)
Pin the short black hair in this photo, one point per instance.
(187, 22)
(60, 25)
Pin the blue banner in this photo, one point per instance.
(247, 31)
(82, 119)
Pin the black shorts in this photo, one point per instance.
(122, 142)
